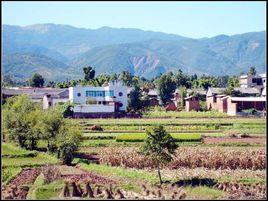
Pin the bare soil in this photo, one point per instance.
(250, 140)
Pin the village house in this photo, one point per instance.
(256, 81)
(251, 98)
(38, 94)
(214, 96)
(192, 103)
(92, 101)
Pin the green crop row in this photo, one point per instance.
(170, 121)
(11, 151)
(139, 137)
(184, 114)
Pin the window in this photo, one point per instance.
(78, 94)
(99, 93)
(120, 94)
(120, 104)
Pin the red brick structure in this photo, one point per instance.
(192, 103)
(171, 107)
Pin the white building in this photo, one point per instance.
(106, 99)
(257, 81)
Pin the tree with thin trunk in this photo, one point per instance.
(159, 146)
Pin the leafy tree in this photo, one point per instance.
(180, 79)
(33, 119)
(66, 109)
(52, 121)
(233, 82)
(100, 80)
(252, 71)
(16, 119)
(166, 87)
(89, 73)
(183, 93)
(134, 101)
(159, 146)
(67, 142)
(126, 78)
(36, 80)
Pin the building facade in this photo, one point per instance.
(107, 99)
(257, 81)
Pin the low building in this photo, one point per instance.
(35, 94)
(52, 99)
(153, 97)
(192, 103)
(237, 104)
(94, 100)
(212, 95)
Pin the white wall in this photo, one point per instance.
(93, 108)
(117, 88)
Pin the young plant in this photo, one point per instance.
(159, 146)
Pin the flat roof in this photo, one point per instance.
(249, 99)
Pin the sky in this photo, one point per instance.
(190, 19)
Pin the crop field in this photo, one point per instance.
(216, 158)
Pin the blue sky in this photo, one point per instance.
(190, 19)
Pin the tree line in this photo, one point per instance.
(27, 124)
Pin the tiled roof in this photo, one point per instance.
(37, 93)
(250, 90)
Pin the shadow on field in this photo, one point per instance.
(195, 182)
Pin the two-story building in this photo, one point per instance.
(98, 100)
(256, 81)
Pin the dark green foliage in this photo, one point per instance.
(36, 80)
(17, 117)
(233, 81)
(67, 109)
(159, 146)
(183, 92)
(252, 71)
(126, 78)
(134, 101)
(89, 73)
(166, 87)
(67, 142)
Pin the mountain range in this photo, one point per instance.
(59, 52)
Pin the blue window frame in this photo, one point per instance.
(99, 93)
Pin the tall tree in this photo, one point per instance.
(252, 71)
(134, 101)
(126, 78)
(89, 73)
(36, 80)
(165, 86)
(159, 146)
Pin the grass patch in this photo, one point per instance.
(203, 192)
(182, 114)
(121, 173)
(40, 159)
(9, 173)
(49, 191)
(40, 181)
(12, 151)
(140, 137)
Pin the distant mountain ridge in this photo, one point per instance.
(144, 53)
